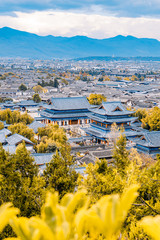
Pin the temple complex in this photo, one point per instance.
(103, 117)
(67, 111)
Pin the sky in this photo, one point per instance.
(92, 18)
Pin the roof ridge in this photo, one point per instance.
(68, 97)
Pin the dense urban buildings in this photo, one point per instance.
(62, 90)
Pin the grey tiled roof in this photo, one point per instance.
(10, 148)
(151, 139)
(111, 120)
(87, 159)
(102, 134)
(5, 131)
(102, 153)
(79, 139)
(17, 138)
(109, 109)
(35, 125)
(9, 105)
(80, 170)
(62, 115)
(28, 103)
(2, 138)
(42, 158)
(122, 120)
(70, 103)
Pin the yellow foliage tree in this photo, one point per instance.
(72, 218)
(106, 78)
(134, 78)
(46, 145)
(1, 125)
(151, 226)
(15, 117)
(127, 79)
(54, 133)
(23, 130)
(152, 119)
(39, 89)
(96, 99)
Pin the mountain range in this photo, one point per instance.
(15, 43)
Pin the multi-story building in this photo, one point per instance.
(66, 111)
(103, 117)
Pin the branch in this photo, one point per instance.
(143, 201)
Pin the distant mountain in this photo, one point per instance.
(15, 43)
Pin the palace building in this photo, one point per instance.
(148, 143)
(66, 111)
(103, 117)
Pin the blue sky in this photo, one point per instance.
(121, 8)
(99, 19)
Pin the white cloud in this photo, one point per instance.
(65, 23)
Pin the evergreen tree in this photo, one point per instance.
(55, 83)
(99, 180)
(51, 83)
(60, 173)
(10, 179)
(19, 182)
(36, 98)
(120, 155)
(25, 163)
(22, 87)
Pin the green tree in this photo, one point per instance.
(25, 163)
(22, 87)
(55, 83)
(120, 155)
(100, 79)
(20, 183)
(36, 98)
(99, 180)
(60, 173)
